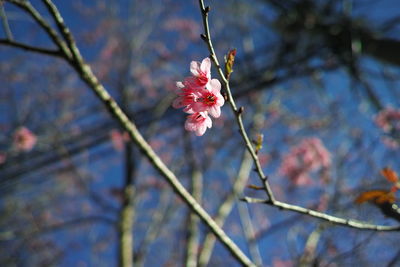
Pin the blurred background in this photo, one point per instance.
(319, 80)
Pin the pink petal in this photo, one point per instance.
(215, 111)
(201, 129)
(220, 100)
(190, 126)
(208, 122)
(206, 65)
(194, 68)
(199, 107)
(177, 103)
(215, 86)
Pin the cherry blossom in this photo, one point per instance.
(24, 139)
(200, 96)
(186, 97)
(201, 74)
(118, 139)
(198, 123)
(308, 156)
(389, 121)
(210, 99)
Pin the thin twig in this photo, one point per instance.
(4, 21)
(40, 50)
(27, 7)
(237, 112)
(323, 216)
(249, 233)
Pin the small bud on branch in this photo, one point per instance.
(229, 61)
(203, 37)
(240, 110)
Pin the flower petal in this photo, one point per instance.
(208, 122)
(195, 67)
(220, 100)
(215, 86)
(215, 111)
(178, 103)
(205, 66)
(201, 129)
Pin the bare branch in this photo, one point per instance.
(323, 216)
(40, 50)
(27, 7)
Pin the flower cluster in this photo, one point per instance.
(199, 96)
(310, 155)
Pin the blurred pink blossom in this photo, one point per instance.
(188, 27)
(282, 263)
(3, 157)
(118, 139)
(24, 139)
(388, 119)
(198, 123)
(308, 156)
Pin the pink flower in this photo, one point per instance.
(3, 157)
(308, 156)
(198, 123)
(186, 97)
(200, 96)
(24, 139)
(118, 139)
(210, 99)
(388, 119)
(201, 74)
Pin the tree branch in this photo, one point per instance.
(323, 216)
(27, 7)
(29, 48)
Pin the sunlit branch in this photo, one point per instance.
(86, 74)
(192, 246)
(323, 216)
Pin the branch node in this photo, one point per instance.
(203, 37)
